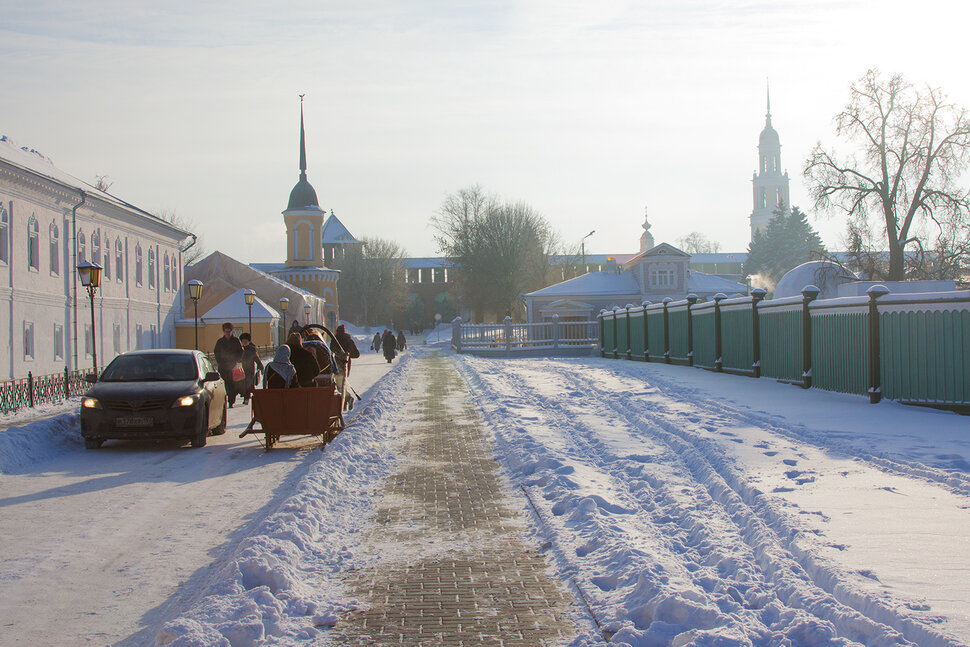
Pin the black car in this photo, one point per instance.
(155, 394)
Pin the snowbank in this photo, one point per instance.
(23, 446)
(280, 581)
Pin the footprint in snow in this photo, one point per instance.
(868, 574)
(791, 462)
(770, 453)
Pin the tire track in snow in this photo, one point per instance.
(761, 530)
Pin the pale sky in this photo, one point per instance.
(587, 111)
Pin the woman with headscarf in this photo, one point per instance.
(280, 373)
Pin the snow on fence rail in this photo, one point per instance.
(914, 348)
(41, 389)
(507, 338)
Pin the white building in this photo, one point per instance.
(51, 221)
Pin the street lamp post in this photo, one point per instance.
(284, 304)
(582, 247)
(195, 293)
(250, 297)
(90, 275)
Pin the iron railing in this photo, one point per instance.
(41, 389)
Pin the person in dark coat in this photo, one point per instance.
(402, 343)
(344, 347)
(304, 361)
(376, 345)
(390, 345)
(251, 364)
(228, 352)
(280, 373)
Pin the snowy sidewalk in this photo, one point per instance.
(452, 567)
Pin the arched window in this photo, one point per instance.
(33, 244)
(175, 274)
(55, 249)
(4, 233)
(151, 267)
(138, 272)
(96, 246)
(166, 277)
(81, 248)
(119, 261)
(106, 265)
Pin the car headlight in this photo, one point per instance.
(185, 401)
(90, 403)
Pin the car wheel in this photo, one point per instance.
(198, 440)
(93, 443)
(221, 427)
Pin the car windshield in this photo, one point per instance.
(150, 368)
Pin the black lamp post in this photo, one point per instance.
(250, 297)
(90, 275)
(284, 304)
(195, 293)
(582, 246)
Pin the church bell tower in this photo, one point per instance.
(770, 184)
(303, 217)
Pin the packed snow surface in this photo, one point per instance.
(689, 508)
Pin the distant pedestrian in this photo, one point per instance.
(251, 365)
(402, 343)
(344, 349)
(376, 345)
(389, 344)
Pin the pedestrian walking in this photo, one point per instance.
(389, 344)
(229, 352)
(251, 364)
(402, 343)
(376, 345)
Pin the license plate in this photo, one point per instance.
(134, 421)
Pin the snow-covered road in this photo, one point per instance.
(742, 509)
(98, 545)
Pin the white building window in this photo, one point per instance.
(138, 259)
(55, 245)
(154, 340)
(661, 278)
(107, 258)
(58, 341)
(175, 274)
(4, 234)
(151, 268)
(88, 340)
(33, 244)
(119, 261)
(138, 339)
(96, 247)
(81, 248)
(167, 281)
(116, 337)
(28, 340)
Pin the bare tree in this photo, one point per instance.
(697, 243)
(913, 146)
(195, 252)
(372, 286)
(102, 183)
(499, 249)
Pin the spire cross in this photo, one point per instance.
(302, 143)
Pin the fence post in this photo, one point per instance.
(508, 334)
(757, 295)
(809, 294)
(629, 338)
(691, 300)
(718, 361)
(30, 388)
(67, 383)
(555, 331)
(646, 337)
(456, 334)
(616, 338)
(602, 332)
(667, 301)
(875, 367)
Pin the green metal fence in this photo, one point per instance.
(908, 347)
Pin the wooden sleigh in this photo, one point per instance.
(310, 411)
